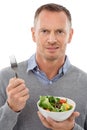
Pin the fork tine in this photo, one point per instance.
(14, 64)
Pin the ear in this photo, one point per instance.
(70, 35)
(33, 33)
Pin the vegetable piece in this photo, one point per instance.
(44, 103)
(55, 104)
(63, 101)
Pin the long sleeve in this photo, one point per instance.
(8, 118)
(77, 127)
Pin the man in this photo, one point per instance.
(47, 72)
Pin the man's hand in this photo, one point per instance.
(55, 125)
(17, 93)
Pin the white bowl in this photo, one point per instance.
(58, 116)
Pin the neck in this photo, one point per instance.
(51, 68)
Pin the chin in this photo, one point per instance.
(51, 58)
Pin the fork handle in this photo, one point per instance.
(16, 75)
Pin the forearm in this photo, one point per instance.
(8, 118)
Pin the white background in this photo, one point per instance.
(16, 19)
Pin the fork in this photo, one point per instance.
(14, 64)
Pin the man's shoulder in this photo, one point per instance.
(23, 63)
(8, 70)
(77, 70)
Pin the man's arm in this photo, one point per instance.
(8, 118)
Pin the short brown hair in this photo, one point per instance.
(54, 8)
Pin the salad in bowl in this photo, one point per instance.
(57, 108)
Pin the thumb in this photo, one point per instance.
(74, 115)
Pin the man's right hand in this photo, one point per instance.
(17, 93)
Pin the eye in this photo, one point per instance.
(60, 32)
(44, 31)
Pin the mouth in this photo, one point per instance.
(52, 49)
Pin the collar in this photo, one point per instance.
(32, 64)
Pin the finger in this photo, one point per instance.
(43, 120)
(24, 98)
(74, 115)
(14, 83)
(12, 80)
(18, 92)
(52, 123)
(19, 88)
(17, 82)
(22, 93)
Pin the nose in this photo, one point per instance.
(52, 38)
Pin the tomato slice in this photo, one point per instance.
(62, 101)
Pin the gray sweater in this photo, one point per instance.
(72, 85)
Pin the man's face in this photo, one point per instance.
(51, 33)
